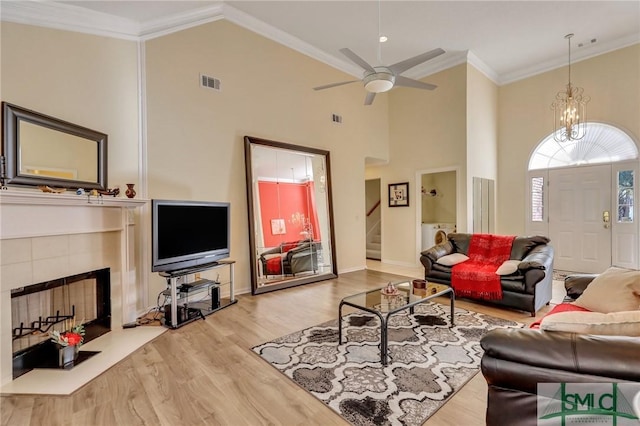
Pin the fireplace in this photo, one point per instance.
(57, 305)
(44, 237)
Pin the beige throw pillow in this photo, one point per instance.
(625, 323)
(615, 290)
(452, 259)
(508, 267)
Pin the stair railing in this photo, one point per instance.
(372, 209)
(375, 229)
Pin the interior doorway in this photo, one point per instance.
(436, 206)
(373, 218)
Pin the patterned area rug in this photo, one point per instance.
(429, 362)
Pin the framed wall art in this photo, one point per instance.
(399, 194)
(278, 227)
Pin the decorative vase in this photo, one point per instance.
(130, 192)
(419, 284)
(67, 356)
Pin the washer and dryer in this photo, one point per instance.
(435, 233)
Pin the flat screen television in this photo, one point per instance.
(187, 234)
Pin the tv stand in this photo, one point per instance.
(182, 309)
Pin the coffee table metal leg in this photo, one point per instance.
(384, 339)
(452, 297)
(340, 323)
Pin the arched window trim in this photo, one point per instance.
(602, 144)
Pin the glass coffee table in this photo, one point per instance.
(384, 305)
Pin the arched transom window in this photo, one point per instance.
(602, 143)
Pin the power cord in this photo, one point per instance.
(145, 319)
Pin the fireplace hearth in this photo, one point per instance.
(57, 305)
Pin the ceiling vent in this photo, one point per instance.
(209, 82)
(336, 118)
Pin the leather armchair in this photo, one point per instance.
(292, 258)
(303, 258)
(516, 360)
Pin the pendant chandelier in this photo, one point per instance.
(570, 110)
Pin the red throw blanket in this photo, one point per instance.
(476, 278)
(563, 307)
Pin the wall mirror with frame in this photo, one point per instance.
(43, 150)
(290, 215)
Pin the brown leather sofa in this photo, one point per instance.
(516, 360)
(528, 289)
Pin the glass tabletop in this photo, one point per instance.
(405, 295)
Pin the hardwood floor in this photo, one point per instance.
(206, 373)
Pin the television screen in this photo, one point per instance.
(187, 234)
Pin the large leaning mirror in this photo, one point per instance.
(43, 150)
(290, 215)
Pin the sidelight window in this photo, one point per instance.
(537, 199)
(626, 186)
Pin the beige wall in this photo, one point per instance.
(611, 80)
(84, 79)
(427, 131)
(87, 80)
(482, 133)
(195, 135)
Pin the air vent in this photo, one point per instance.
(336, 118)
(209, 82)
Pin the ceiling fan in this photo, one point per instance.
(381, 79)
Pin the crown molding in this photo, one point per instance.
(180, 21)
(67, 17)
(259, 27)
(438, 64)
(577, 56)
(485, 69)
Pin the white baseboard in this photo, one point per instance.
(399, 263)
(352, 269)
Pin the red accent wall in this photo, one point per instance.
(288, 201)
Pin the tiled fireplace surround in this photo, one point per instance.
(49, 236)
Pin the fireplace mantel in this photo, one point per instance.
(42, 198)
(37, 214)
(45, 236)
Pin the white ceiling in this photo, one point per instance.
(507, 40)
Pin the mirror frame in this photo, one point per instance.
(248, 142)
(13, 114)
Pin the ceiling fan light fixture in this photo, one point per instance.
(379, 81)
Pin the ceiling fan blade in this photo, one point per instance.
(356, 59)
(328, 86)
(402, 66)
(369, 99)
(409, 82)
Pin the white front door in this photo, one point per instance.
(579, 202)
